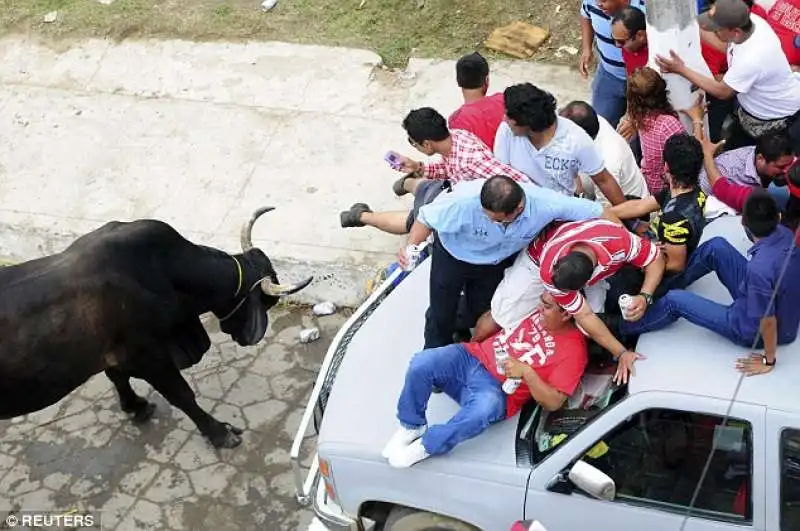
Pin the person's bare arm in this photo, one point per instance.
(610, 216)
(546, 395)
(550, 398)
(709, 85)
(485, 327)
(769, 331)
(609, 186)
(710, 38)
(635, 208)
(418, 234)
(587, 54)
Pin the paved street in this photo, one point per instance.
(83, 453)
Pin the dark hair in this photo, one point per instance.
(472, 71)
(501, 194)
(530, 106)
(426, 124)
(647, 96)
(584, 115)
(683, 155)
(572, 272)
(633, 19)
(760, 213)
(774, 145)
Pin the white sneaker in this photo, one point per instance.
(410, 455)
(402, 438)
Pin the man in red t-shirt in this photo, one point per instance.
(545, 353)
(629, 31)
(480, 114)
(566, 260)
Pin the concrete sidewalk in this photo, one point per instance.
(199, 135)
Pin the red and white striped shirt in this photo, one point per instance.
(613, 246)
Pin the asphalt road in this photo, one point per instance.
(83, 453)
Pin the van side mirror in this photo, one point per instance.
(592, 481)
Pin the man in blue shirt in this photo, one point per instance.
(750, 283)
(479, 228)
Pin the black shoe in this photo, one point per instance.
(352, 217)
(399, 185)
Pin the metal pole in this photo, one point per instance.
(672, 25)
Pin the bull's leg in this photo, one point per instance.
(170, 383)
(129, 401)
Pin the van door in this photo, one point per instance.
(655, 446)
(783, 471)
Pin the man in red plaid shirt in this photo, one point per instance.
(464, 157)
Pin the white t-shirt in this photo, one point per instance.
(557, 164)
(759, 71)
(619, 162)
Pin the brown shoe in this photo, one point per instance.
(399, 185)
(352, 218)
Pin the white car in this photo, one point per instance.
(633, 462)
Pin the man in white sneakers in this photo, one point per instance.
(545, 351)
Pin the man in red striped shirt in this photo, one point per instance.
(566, 260)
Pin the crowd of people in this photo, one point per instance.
(540, 218)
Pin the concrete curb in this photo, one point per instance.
(200, 134)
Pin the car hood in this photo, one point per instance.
(360, 416)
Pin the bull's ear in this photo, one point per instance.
(279, 290)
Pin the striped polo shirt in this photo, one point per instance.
(610, 55)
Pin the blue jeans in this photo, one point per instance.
(730, 266)
(608, 95)
(462, 377)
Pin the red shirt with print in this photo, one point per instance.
(558, 359)
(480, 117)
(784, 19)
(634, 60)
(612, 244)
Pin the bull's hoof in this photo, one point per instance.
(227, 437)
(141, 411)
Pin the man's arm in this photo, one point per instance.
(567, 208)
(769, 332)
(419, 233)
(635, 208)
(550, 398)
(609, 186)
(587, 39)
(610, 216)
(709, 85)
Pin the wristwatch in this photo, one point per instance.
(647, 298)
(765, 362)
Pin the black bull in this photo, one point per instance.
(126, 299)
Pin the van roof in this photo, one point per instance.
(686, 358)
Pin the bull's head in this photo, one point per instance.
(247, 322)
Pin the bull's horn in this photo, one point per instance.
(278, 290)
(247, 229)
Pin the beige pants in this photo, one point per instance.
(520, 291)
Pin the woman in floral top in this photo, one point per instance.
(653, 117)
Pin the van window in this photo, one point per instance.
(656, 459)
(790, 480)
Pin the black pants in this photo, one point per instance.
(448, 277)
(718, 111)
